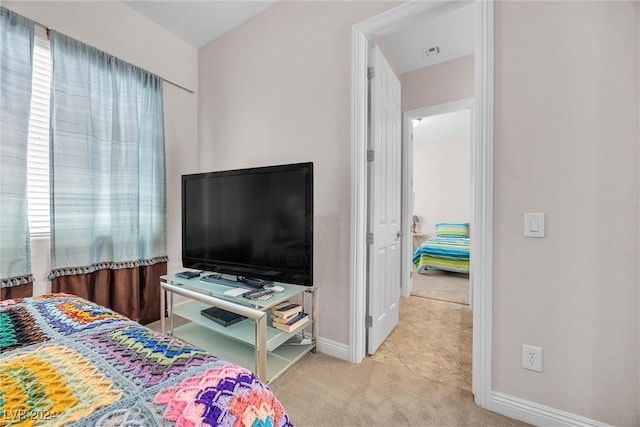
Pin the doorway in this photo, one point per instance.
(433, 337)
(481, 171)
(438, 168)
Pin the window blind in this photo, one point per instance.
(38, 149)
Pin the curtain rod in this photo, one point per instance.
(46, 27)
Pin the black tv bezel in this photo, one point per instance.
(246, 270)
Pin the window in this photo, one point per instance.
(38, 150)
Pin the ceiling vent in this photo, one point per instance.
(431, 51)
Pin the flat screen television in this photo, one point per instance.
(253, 223)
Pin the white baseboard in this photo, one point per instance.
(333, 348)
(536, 414)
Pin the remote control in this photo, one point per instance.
(257, 294)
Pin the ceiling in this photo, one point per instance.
(447, 126)
(425, 43)
(434, 40)
(199, 22)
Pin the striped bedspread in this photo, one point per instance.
(443, 253)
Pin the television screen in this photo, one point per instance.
(254, 223)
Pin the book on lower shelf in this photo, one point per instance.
(290, 324)
(286, 310)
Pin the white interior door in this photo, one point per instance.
(384, 202)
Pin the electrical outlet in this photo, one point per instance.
(532, 358)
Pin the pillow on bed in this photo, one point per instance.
(447, 229)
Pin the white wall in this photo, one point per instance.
(278, 90)
(441, 83)
(121, 31)
(441, 170)
(566, 144)
(427, 87)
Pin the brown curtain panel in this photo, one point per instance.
(134, 292)
(20, 291)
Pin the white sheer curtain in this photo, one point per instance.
(107, 162)
(16, 48)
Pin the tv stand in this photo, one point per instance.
(252, 343)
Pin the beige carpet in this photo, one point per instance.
(421, 376)
(441, 285)
(433, 339)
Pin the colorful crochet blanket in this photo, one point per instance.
(68, 361)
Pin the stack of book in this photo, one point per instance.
(288, 316)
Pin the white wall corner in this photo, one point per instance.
(333, 348)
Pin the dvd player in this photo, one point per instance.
(221, 316)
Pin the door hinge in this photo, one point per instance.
(371, 73)
(370, 238)
(370, 155)
(411, 274)
(368, 321)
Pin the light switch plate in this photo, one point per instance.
(534, 225)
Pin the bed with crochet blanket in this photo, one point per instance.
(68, 361)
(448, 250)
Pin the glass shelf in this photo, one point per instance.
(243, 331)
(218, 290)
